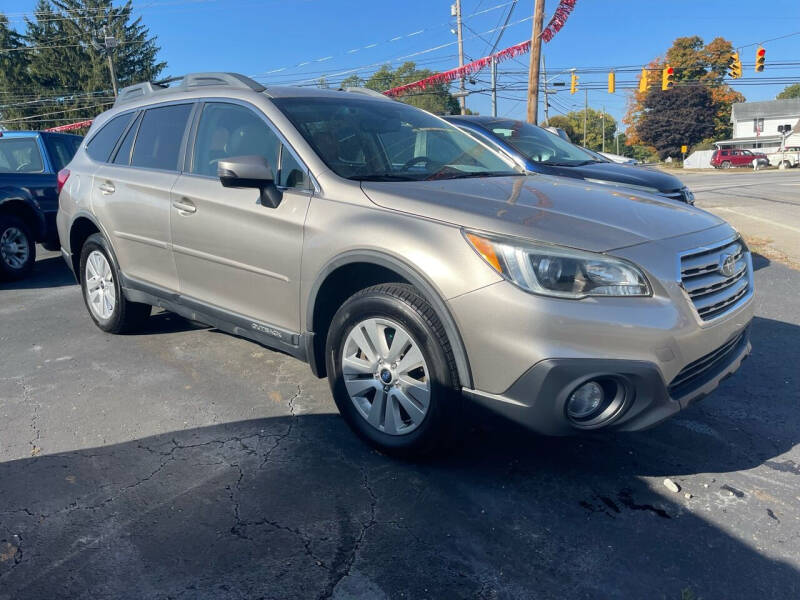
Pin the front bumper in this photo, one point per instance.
(538, 399)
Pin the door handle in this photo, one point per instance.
(185, 205)
(107, 188)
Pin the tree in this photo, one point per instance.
(572, 124)
(436, 98)
(682, 115)
(65, 76)
(790, 91)
(695, 64)
(13, 66)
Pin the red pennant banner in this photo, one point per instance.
(71, 126)
(563, 11)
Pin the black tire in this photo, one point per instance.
(126, 316)
(8, 268)
(402, 304)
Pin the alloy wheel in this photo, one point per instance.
(14, 248)
(386, 376)
(100, 290)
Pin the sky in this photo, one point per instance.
(299, 41)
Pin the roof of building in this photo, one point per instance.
(766, 109)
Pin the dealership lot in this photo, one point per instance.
(186, 463)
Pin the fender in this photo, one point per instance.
(70, 255)
(413, 276)
(9, 193)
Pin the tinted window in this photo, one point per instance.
(292, 173)
(123, 156)
(61, 149)
(160, 134)
(103, 142)
(20, 155)
(227, 130)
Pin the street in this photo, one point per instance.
(763, 205)
(186, 463)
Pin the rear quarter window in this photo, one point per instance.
(102, 143)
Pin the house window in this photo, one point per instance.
(758, 125)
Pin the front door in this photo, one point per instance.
(231, 251)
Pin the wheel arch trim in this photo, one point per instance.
(414, 277)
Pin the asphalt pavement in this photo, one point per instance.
(186, 463)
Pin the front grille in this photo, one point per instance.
(706, 367)
(712, 292)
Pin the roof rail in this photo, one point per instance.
(367, 92)
(188, 81)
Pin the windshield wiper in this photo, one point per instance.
(468, 174)
(382, 177)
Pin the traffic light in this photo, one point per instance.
(735, 66)
(760, 59)
(612, 82)
(667, 78)
(643, 83)
(573, 83)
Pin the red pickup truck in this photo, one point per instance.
(725, 158)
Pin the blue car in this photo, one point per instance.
(539, 151)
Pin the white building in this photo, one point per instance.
(755, 124)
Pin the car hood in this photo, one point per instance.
(549, 209)
(626, 174)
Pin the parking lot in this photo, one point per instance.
(186, 463)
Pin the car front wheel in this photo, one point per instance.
(17, 248)
(391, 370)
(102, 291)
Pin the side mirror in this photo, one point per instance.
(250, 172)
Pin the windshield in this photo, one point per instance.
(537, 144)
(365, 140)
(20, 155)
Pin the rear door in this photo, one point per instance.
(231, 251)
(131, 192)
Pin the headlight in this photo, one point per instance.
(558, 271)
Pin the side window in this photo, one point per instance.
(102, 143)
(20, 155)
(227, 130)
(292, 173)
(61, 148)
(123, 156)
(160, 134)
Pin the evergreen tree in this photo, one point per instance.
(13, 81)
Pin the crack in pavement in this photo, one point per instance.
(28, 400)
(347, 564)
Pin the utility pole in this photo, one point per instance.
(494, 87)
(110, 44)
(616, 136)
(533, 70)
(546, 103)
(604, 128)
(462, 99)
(585, 112)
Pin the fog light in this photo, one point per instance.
(585, 401)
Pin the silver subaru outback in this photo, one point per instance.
(402, 258)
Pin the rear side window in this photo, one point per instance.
(61, 149)
(102, 143)
(160, 134)
(20, 155)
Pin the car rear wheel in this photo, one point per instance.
(102, 291)
(391, 370)
(17, 248)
